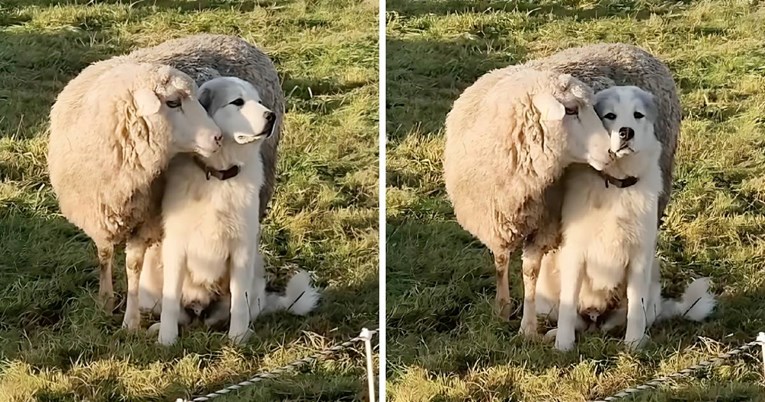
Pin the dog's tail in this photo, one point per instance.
(299, 298)
(696, 303)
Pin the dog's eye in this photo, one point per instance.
(571, 111)
(609, 116)
(237, 102)
(639, 115)
(173, 104)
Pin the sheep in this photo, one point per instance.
(113, 130)
(508, 138)
(207, 56)
(204, 57)
(600, 66)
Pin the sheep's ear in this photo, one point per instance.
(146, 101)
(549, 107)
(205, 98)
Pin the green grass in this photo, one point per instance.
(443, 342)
(55, 344)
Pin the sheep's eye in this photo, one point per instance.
(237, 102)
(609, 116)
(260, 101)
(639, 115)
(173, 104)
(572, 111)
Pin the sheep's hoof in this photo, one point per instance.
(503, 309)
(106, 302)
(131, 323)
(529, 329)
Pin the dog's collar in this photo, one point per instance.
(218, 174)
(620, 183)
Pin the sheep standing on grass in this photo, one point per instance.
(204, 57)
(114, 129)
(134, 216)
(508, 138)
(600, 66)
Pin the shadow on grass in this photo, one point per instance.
(441, 288)
(50, 320)
(416, 88)
(575, 9)
(35, 66)
(180, 5)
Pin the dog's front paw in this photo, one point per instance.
(636, 343)
(551, 335)
(564, 341)
(168, 334)
(239, 337)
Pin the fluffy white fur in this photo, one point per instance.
(211, 226)
(609, 233)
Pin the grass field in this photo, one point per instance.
(443, 342)
(55, 344)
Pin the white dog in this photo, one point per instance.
(609, 230)
(210, 216)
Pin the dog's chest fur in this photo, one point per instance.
(212, 217)
(610, 223)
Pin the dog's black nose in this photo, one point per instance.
(626, 133)
(270, 116)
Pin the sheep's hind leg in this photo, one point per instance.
(105, 286)
(532, 263)
(502, 304)
(134, 256)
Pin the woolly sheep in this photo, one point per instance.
(204, 57)
(508, 138)
(207, 56)
(599, 66)
(114, 128)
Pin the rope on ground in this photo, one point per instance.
(365, 336)
(658, 381)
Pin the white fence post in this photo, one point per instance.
(366, 336)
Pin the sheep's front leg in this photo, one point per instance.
(105, 286)
(502, 303)
(571, 265)
(242, 275)
(174, 271)
(638, 286)
(134, 256)
(532, 262)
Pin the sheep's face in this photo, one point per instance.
(629, 114)
(174, 107)
(236, 107)
(567, 113)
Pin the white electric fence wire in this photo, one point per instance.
(326, 354)
(656, 382)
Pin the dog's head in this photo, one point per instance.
(236, 107)
(629, 114)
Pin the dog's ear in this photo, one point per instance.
(549, 108)
(146, 102)
(205, 98)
